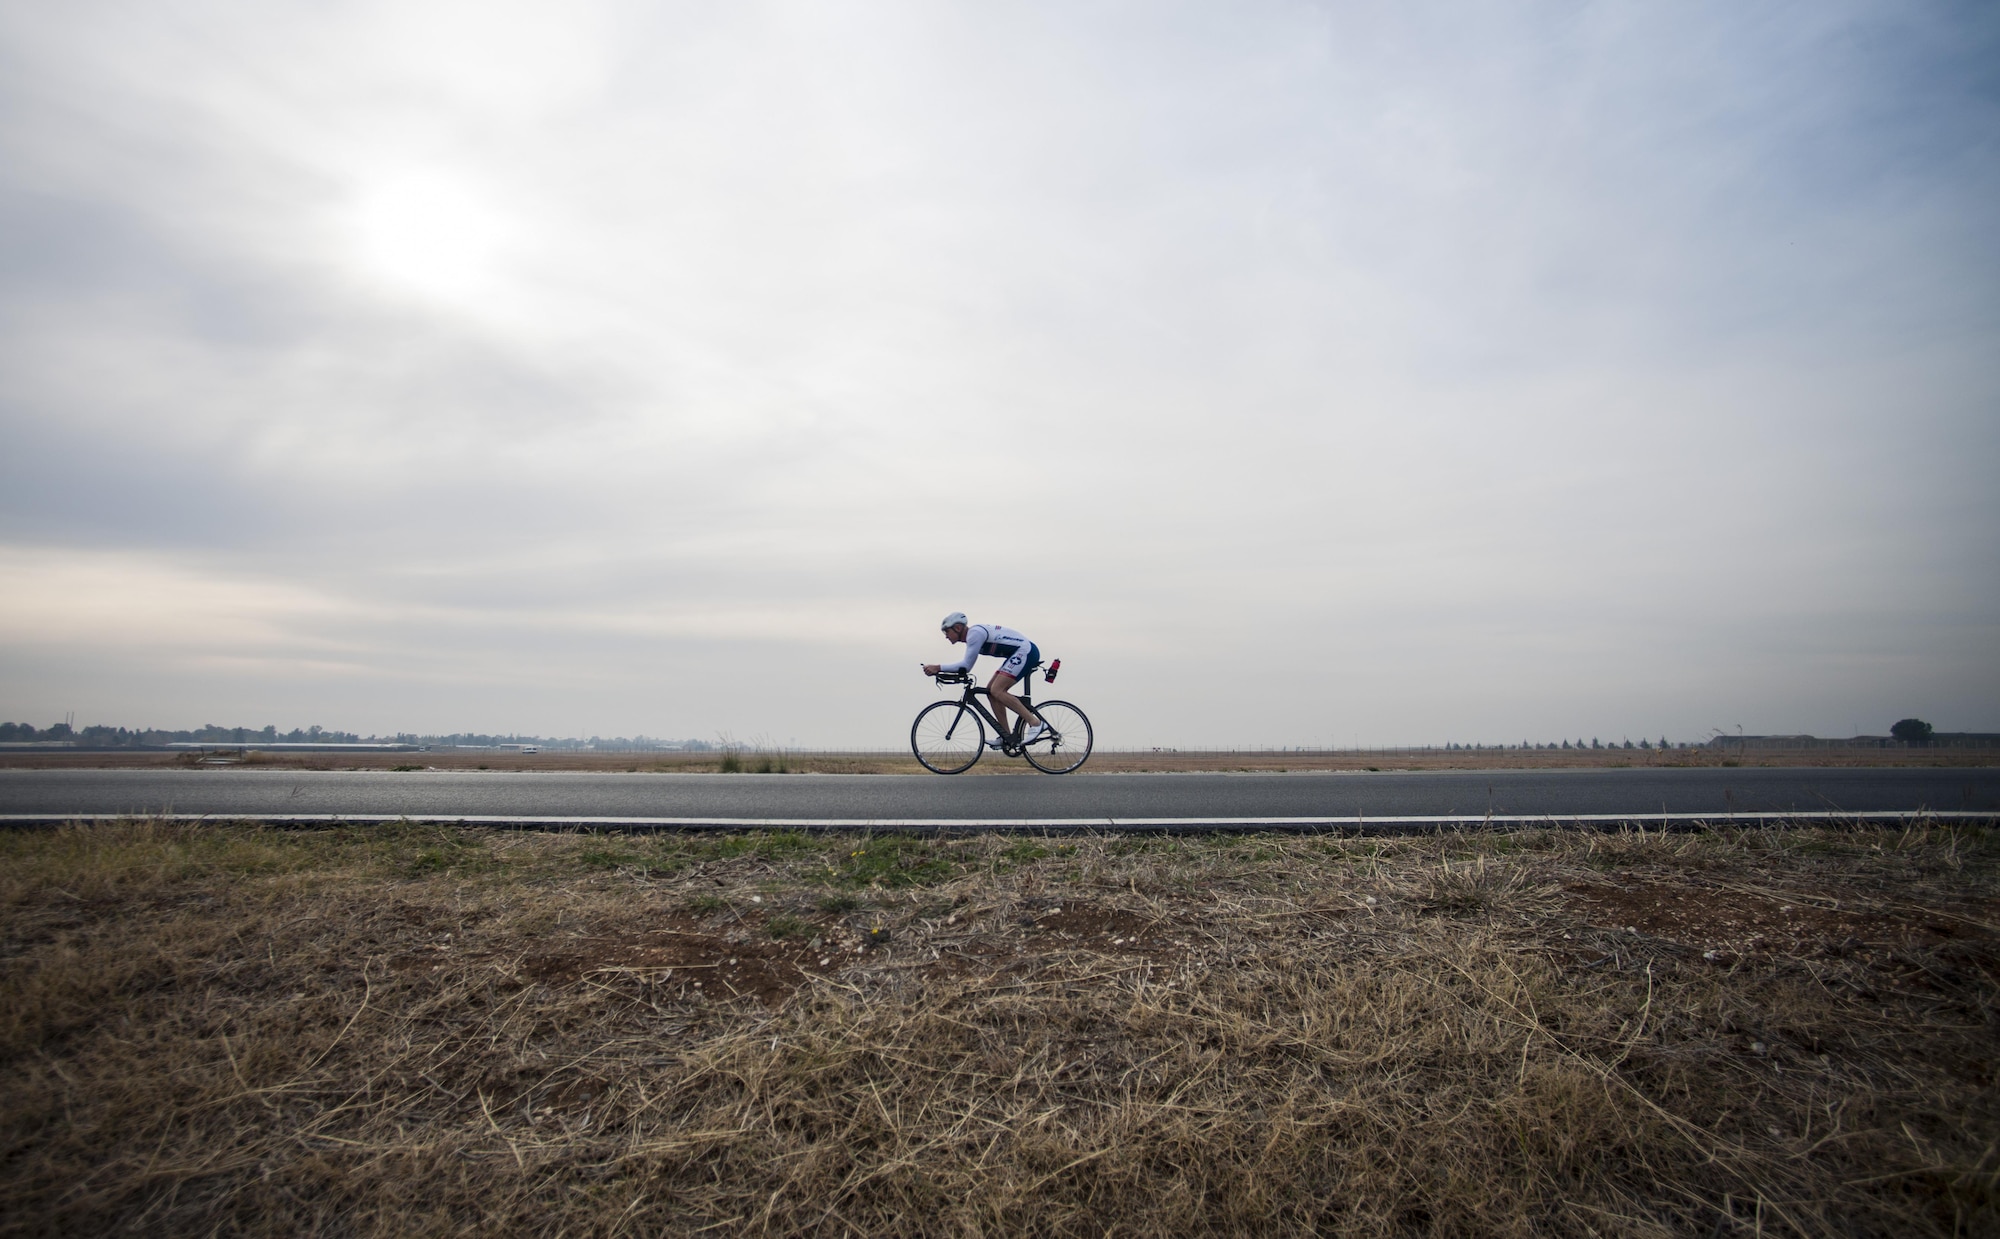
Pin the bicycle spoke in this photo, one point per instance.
(1067, 742)
(947, 737)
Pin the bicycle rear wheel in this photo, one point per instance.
(1066, 744)
(947, 737)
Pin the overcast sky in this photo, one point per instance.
(1298, 373)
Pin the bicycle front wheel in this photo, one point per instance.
(947, 737)
(1066, 744)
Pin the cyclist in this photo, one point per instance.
(1018, 657)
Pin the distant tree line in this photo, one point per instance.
(99, 736)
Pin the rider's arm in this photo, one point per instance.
(975, 638)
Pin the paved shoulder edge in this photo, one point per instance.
(1361, 825)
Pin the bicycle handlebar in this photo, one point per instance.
(1048, 671)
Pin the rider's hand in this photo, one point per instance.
(931, 668)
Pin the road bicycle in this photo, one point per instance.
(949, 737)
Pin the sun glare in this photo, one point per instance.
(433, 235)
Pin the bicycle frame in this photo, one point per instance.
(1023, 689)
(946, 741)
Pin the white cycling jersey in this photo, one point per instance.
(994, 641)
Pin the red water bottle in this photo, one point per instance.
(1049, 676)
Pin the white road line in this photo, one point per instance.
(1016, 823)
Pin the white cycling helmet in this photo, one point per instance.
(952, 621)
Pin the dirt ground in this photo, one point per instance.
(1101, 762)
(426, 1030)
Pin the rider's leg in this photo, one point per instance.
(1003, 701)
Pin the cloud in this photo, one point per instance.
(1440, 374)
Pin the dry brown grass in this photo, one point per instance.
(576, 760)
(404, 1030)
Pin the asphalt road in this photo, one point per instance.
(1135, 800)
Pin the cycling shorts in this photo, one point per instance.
(1022, 661)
